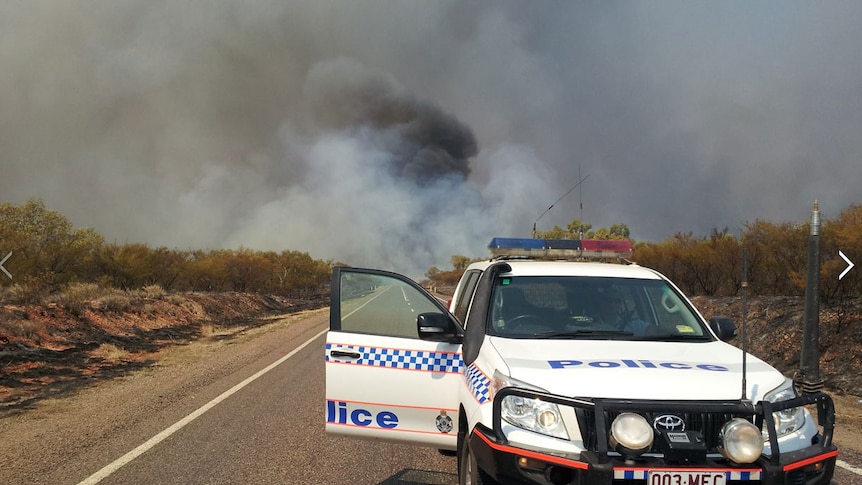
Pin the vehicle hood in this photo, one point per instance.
(636, 370)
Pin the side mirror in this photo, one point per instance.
(723, 327)
(439, 327)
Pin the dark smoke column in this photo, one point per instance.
(423, 143)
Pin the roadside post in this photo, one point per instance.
(808, 376)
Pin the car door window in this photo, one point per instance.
(465, 295)
(381, 305)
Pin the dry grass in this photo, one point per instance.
(22, 294)
(154, 292)
(848, 421)
(115, 302)
(110, 353)
(76, 297)
(848, 410)
(16, 327)
(207, 330)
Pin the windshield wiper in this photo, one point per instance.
(674, 337)
(582, 333)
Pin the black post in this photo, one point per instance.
(744, 324)
(808, 376)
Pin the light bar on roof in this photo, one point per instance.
(559, 248)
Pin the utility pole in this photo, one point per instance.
(807, 377)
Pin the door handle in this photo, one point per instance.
(344, 353)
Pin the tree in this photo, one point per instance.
(777, 259)
(616, 231)
(48, 251)
(297, 272)
(206, 271)
(460, 263)
(841, 234)
(576, 229)
(127, 266)
(432, 273)
(727, 252)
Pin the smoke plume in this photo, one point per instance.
(398, 134)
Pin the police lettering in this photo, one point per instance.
(633, 364)
(339, 413)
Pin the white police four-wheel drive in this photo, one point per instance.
(559, 371)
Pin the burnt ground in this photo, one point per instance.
(774, 329)
(50, 351)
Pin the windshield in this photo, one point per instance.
(591, 307)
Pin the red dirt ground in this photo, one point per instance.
(47, 351)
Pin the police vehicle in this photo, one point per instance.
(549, 369)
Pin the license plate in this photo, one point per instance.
(658, 477)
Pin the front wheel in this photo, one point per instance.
(468, 470)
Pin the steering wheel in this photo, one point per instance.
(531, 322)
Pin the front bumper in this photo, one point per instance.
(509, 463)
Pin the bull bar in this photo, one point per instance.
(598, 465)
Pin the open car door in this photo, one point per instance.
(382, 380)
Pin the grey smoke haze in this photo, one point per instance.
(395, 134)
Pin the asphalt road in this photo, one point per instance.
(269, 431)
(245, 410)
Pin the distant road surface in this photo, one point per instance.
(244, 410)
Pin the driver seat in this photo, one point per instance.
(515, 304)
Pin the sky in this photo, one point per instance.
(395, 134)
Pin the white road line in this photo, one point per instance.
(854, 469)
(360, 307)
(140, 450)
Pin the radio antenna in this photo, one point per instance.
(561, 198)
(581, 204)
(744, 321)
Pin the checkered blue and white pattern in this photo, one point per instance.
(448, 362)
(630, 474)
(755, 475)
(478, 383)
(641, 474)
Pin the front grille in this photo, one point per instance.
(707, 423)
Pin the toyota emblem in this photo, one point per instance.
(668, 422)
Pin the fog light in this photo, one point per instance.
(740, 441)
(631, 434)
(532, 463)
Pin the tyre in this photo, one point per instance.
(469, 472)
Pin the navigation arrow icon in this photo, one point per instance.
(846, 270)
(4, 269)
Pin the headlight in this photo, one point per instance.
(740, 441)
(530, 414)
(633, 433)
(788, 420)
